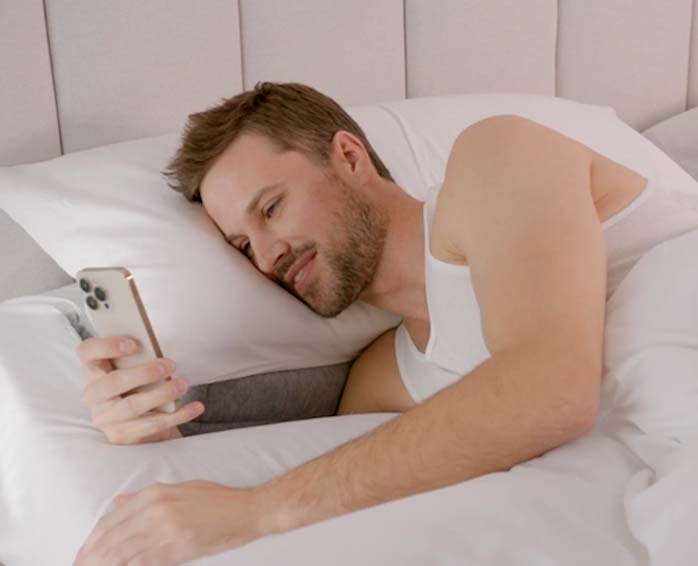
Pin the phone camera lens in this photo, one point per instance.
(92, 303)
(100, 294)
(85, 285)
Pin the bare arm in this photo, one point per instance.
(503, 413)
(532, 238)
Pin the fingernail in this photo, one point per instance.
(125, 345)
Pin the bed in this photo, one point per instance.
(94, 102)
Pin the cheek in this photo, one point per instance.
(311, 224)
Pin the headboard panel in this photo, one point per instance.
(135, 68)
(353, 51)
(480, 46)
(28, 118)
(629, 54)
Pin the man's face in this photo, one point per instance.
(310, 217)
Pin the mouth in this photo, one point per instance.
(297, 272)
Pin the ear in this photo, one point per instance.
(350, 155)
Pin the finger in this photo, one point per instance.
(136, 547)
(126, 540)
(165, 421)
(163, 551)
(96, 353)
(96, 348)
(134, 405)
(118, 382)
(115, 555)
(111, 528)
(132, 432)
(95, 370)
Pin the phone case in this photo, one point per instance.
(120, 312)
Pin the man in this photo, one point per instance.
(292, 182)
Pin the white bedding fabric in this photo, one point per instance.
(60, 475)
(621, 495)
(110, 206)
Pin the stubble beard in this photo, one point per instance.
(353, 254)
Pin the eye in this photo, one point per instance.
(269, 211)
(245, 249)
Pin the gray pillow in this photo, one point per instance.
(268, 398)
(678, 138)
(26, 268)
(249, 401)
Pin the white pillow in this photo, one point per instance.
(213, 313)
(59, 474)
(432, 124)
(651, 382)
(678, 137)
(652, 342)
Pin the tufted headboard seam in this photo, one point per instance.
(53, 79)
(692, 70)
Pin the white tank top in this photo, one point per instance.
(456, 344)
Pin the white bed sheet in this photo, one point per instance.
(623, 494)
(59, 476)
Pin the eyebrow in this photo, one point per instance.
(253, 205)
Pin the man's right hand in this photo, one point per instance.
(130, 419)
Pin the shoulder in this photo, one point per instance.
(506, 162)
(507, 131)
(509, 147)
(517, 202)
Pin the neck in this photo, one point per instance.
(398, 284)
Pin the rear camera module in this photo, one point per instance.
(100, 294)
(85, 285)
(92, 303)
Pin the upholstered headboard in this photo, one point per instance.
(76, 74)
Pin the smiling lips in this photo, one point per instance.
(297, 267)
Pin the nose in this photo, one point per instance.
(270, 257)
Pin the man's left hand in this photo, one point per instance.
(167, 524)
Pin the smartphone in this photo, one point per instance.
(114, 308)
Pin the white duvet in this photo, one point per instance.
(624, 494)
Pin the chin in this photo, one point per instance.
(329, 311)
(324, 310)
(328, 303)
(332, 314)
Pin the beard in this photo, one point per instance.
(353, 253)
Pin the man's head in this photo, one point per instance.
(320, 167)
